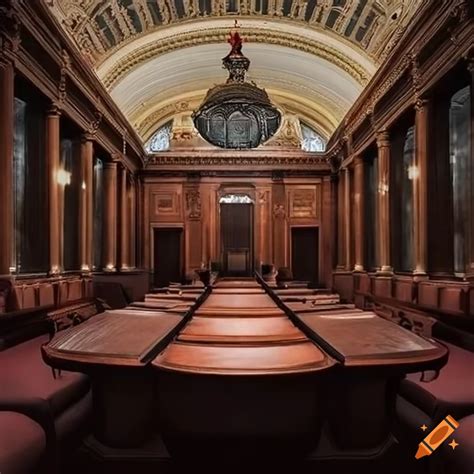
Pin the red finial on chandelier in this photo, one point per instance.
(235, 41)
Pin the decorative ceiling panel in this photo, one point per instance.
(102, 26)
(314, 57)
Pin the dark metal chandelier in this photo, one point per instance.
(237, 114)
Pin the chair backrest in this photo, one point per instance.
(5, 291)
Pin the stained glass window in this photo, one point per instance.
(311, 140)
(160, 141)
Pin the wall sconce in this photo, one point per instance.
(413, 172)
(63, 177)
(110, 267)
(383, 188)
(84, 185)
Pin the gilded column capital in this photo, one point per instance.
(10, 27)
(54, 109)
(420, 104)
(383, 138)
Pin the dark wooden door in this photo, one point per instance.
(167, 252)
(305, 253)
(237, 239)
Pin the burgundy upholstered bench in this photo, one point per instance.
(61, 405)
(451, 393)
(22, 444)
(461, 460)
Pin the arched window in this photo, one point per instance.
(160, 141)
(311, 140)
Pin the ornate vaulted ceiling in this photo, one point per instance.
(159, 57)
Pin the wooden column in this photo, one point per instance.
(347, 219)
(56, 193)
(6, 165)
(340, 222)
(110, 217)
(280, 231)
(359, 237)
(124, 221)
(420, 184)
(86, 204)
(264, 242)
(383, 225)
(327, 232)
(470, 243)
(133, 222)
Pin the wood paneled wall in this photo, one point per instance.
(279, 205)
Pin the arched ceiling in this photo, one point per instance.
(157, 57)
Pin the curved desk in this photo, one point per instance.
(242, 372)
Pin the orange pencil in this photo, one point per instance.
(436, 437)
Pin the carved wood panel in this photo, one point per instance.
(166, 203)
(304, 202)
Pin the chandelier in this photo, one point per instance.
(237, 114)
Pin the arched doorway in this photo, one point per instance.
(236, 229)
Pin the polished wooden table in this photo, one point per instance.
(242, 370)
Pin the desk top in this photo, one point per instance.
(363, 338)
(208, 359)
(242, 333)
(233, 330)
(122, 338)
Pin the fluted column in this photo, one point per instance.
(56, 194)
(109, 243)
(420, 184)
(359, 237)
(383, 188)
(124, 221)
(347, 219)
(6, 164)
(86, 204)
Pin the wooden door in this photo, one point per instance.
(237, 239)
(167, 256)
(305, 253)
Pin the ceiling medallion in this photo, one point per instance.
(237, 114)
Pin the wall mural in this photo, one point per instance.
(100, 25)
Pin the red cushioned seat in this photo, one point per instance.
(461, 460)
(451, 393)
(24, 377)
(22, 443)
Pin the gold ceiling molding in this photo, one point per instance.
(219, 36)
(101, 26)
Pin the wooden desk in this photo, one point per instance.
(243, 368)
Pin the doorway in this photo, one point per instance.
(167, 256)
(305, 253)
(237, 238)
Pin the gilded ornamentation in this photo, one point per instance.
(9, 32)
(279, 211)
(110, 24)
(193, 204)
(311, 161)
